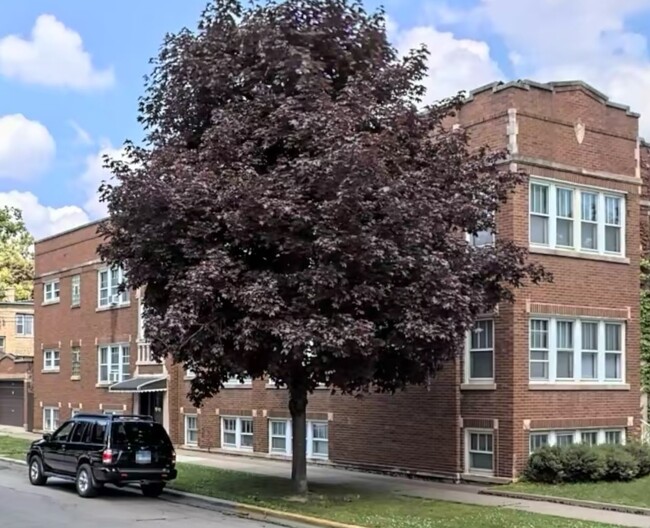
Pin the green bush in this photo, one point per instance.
(620, 463)
(641, 453)
(545, 465)
(582, 463)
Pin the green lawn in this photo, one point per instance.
(634, 493)
(339, 504)
(355, 506)
(11, 447)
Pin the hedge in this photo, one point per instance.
(582, 463)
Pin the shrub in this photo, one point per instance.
(582, 463)
(641, 453)
(545, 465)
(620, 463)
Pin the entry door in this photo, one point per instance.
(151, 403)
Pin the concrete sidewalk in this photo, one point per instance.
(463, 493)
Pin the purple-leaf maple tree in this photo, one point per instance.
(295, 213)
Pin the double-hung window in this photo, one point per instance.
(114, 364)
(280, 437)
(51, 292)
(480, 452)
(562, 216)
(50, 418)
(480, 360)
(191, 430)
(24, 325)
(109, 281)
(51, 360)
(237, 433)
(576, 350)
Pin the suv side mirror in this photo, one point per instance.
(47, 437)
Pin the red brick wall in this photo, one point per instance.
(10, 368)
(62, 326)
(546, 122)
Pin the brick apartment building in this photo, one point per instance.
(559, 365)
(16, 356)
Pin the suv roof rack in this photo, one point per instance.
(112, 417)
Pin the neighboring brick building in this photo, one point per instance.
(16, 355)
(559, 365)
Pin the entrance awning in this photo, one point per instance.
(142, 384)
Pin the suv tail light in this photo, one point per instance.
(107, 456)
(173, 457)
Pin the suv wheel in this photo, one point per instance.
(152, 490)
(84, 482)
(36, 476)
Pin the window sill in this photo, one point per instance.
(230, 449)
(188, 378)
(578, 254)
(22, 336)
(77, 305)
(114, 307)
(238, 386)
(478, 386)
(48, 303)
(579, 386)
(75, 378)
(50, 371)
(148, 363)
(105, 384)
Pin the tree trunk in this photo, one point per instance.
(298, 409)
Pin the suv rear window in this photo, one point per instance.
(139, 434)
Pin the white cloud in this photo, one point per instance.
(42, 220)
(93, 176)
(26, 147)
(54, 55)
(454, 64)
(589, 40)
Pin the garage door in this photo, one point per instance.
(12, 403)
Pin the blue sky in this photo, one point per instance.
(71, 73)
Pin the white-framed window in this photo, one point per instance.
(24, 325)
(576, 350)
(234, 383)
(280, 437)
(191, 430)
(50, 419)
(480, 451)
(51, 360)
(74, 412)
(317, 439)
(51, 292)
(109, 280)
(114, 363)
(591, 437)
(566, 216)
(75, 294)
(237, 433)
(482, 238)
(112, 412)
(75, 358)
(480, 352)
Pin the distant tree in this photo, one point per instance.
(294, 214)
(16, 257)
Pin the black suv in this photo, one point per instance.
(97, 449)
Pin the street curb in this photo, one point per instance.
(594, 505)
(13, 461)
(257, 511)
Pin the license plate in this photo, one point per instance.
(143, 457)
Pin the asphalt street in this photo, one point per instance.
(57, 505)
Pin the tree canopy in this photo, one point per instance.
(295, 213)
(16, 256)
